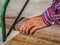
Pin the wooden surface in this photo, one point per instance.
(47, 36)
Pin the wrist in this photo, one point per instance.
(43, 23)
(46, 22)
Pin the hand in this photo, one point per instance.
(32, 25)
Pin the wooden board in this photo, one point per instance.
(47, 36)
(40, 37)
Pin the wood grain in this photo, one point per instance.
(28, 40)
(47, 36)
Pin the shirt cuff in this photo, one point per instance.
(45, 20)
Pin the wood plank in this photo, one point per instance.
(47, 36)
(28, 40)
(10, 17)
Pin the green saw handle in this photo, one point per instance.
(3, 19)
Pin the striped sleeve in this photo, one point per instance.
(52, 14)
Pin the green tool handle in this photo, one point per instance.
(3, 19)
